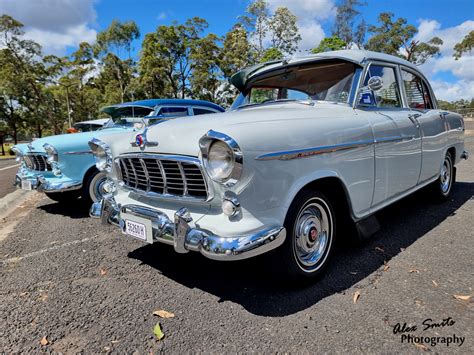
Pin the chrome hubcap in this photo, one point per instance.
(96, 189)
(445, 177)
(313, 233)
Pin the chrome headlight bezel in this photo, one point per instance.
(236, 157)
(51, 152)
(102, 155)
(18, 154)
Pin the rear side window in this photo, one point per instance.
(201, 111)
(173, 111)
(418, 95)
(388, 95)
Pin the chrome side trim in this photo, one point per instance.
(80, 152)
(308, 152)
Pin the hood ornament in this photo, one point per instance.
(141, 141)
(30, 147)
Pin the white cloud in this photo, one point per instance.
(55, 24)
(463, 89)
(310, 13)
(463, 69)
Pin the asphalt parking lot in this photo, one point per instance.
(69, 284)
(8, 169)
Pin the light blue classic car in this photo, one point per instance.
(63, 167)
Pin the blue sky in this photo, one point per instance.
(59, 25)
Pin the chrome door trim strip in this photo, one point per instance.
(80, 152)
(308, 152)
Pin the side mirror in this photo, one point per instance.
(375, 83)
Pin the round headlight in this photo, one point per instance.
(220, 160)
(18, 154)
(100, 158)
(51, 151)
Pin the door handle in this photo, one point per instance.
(413, 118)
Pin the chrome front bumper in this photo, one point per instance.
(40, 183)
(184, 235)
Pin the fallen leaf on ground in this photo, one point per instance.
(380, 249)
(163, 314)
(103, 272)
(24, 294)
(462, 297)
(421, 346)
(411, 271)
(434, 283)
(157, 331)
(356, 296)
(402, 249)
(44, 341)
(386, 267)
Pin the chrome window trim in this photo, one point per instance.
(396, 69)
(308, 152)
(424, 80)
(179, 159)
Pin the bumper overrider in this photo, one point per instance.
(185, 235)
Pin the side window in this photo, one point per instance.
(418, 95)
(201, 111)
(388, 95)
(173, 111)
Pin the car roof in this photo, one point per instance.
(359, 57)
(152, 103)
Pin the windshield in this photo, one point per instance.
(316, 81)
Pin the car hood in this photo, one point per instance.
(69, 142)
(248, 126)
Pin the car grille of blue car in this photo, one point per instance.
(163, 177)
(37, 162)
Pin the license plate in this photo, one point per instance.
(26, 185)
(138, 227)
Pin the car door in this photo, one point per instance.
(397, 139)
(431, 120)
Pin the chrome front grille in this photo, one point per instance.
(164, 176)
(37, 162)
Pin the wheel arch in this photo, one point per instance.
(333, 187)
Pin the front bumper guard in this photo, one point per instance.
(184, 235)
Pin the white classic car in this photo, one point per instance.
(310, 144)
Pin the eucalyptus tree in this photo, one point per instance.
(465, 46)
(397, 38)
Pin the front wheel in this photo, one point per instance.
(93, 189)
(311, 234)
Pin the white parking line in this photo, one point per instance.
(9, 167)
(42, 251)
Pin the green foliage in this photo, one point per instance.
(391, 36)
(332, 43)
(271, 54)
(347, 26)
(284, 31)
(464, 46)
(281, 27)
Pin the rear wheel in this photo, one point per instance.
(311, 233)
(442, 187)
